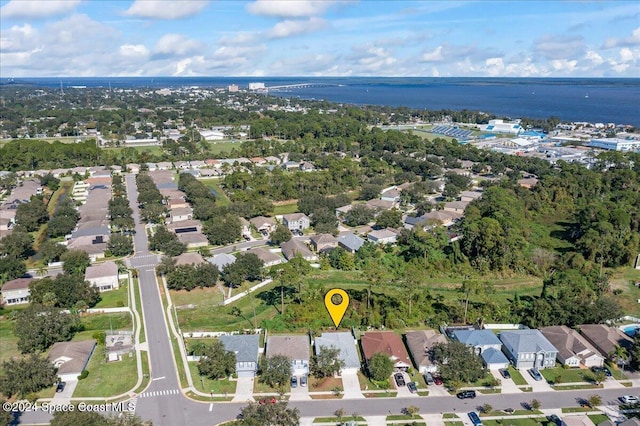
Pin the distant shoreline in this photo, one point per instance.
(595, 100)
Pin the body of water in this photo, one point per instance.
(585, 99)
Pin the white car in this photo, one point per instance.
(629, 399)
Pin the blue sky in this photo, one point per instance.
(320, 38)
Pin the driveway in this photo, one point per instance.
(537, 386)
(300, 393)
(64, 397)
(403, 391)
(507, 385)
(435, 390)
(244, 389)
(351, 386)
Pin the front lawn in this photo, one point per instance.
(114, 298)
(107, 378)
(328, 384)
(8, 340)
(517, 378)
(205, 384)
(561, 375)
(368, 384)
(519, 422)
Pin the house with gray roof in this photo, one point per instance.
(323, 242)
(345, 342)
(420, 344)
(221, 260)
(296, 348)
(71, 358)
(605, 338)
(268, 258)
(104, 276)
(246, 348)
(16, 291)
(296, 221)
(485, 344)
(350, 242)
(528, 349)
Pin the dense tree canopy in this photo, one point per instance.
(217, 362)
(38, 327)
(27, 375)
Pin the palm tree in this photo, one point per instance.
(42, 271)
(619, 355)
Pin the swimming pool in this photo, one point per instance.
(631, 330)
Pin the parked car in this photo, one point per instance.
(412, 387)
(303, 380)
(555, 420)
(428, 378)
(605, 370)
(629, 399)
(438, 380)
(399, 378)
(294, 382)
(505, 373)
(475, 419)
(61, 386)
(265, 401)
(466, 394)
(535, 374)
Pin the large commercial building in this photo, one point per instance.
(616, 144)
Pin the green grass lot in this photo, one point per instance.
(367, 384)
(205, 384)
(63, 139)
(214, 184)
(103, 322)
(622, 279)
(114, 298)
(286, 208)
(107, 378)
(223, 146)
(566, 375)
(598, 418)
(259, 387)
(8, 341)
(517, 378)
(425, 134)
(338, 420)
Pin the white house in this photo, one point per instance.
(104, 276)
(346, 344)
(71, 358)
(296, 221)
(16, 291)
(573, 349)
(246, 349)
(382, 236)
(181, 213)
(296, 348)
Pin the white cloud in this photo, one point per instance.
(564, 66)
(161, 9)
(594, 57)
(494, 67)
(133, 50)
(175, 45)
(37, 9)
(633, 40)
(433, 56)
(290, 28)
(289, 8)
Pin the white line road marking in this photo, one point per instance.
(210, 407)
(159, 378)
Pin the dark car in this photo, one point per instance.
(505, 373)
(428, 378)
(605, 370)
(399, 378)
(466, 394)
(61, 386)
(294, 382)
(475, 419)
(303, 380)
(412, 387)
(535, 374)
(555, 420)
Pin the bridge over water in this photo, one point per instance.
(286, 87)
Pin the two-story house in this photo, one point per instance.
(528, 349)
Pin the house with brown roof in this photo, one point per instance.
(323, 242)
(420, 344)
(293, 248)
(16, 291)
(605, 338)
(190, 258)
(573, 349)
(296, 348)
(71, 358)
(388, 343)
(104, 276)
(263, 224)
(268, 258)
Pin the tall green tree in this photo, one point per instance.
(76, 262)
(380, 366)
(458, 361)
(217, 362)
(275, 371)
(326, 363)
(38, 327)
(23, 376)
(269, 415)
